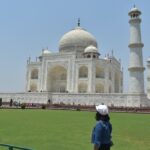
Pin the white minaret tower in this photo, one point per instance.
(148, 78)
(136, 69)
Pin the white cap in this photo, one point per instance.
(102, 109)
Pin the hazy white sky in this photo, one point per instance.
(27, 26)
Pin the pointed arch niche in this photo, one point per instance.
(82, 88)
(83, 72)
(100, 72)
(34, 74)
(57, 79)
(99, 88)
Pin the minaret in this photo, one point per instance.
(136, 69)
(148, 78)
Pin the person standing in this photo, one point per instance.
(101, 134)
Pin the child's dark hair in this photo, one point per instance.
(98, 117)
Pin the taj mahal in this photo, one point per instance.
(77, 74)
(76, 68)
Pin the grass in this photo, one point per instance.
(70, 130)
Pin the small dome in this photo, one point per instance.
(148, 60)
(91, 49)
(76, 40)
(134, 10)
(46, 51)
(105, 57)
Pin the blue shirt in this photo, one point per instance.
(101, 133)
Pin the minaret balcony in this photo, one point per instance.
(135, 45)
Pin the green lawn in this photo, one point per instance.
(70, 130)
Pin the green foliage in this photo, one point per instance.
(0, 101)
(43, 106)
(23, 105)
(70, 130)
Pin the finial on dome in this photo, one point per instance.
(78, 22)
(134, 12)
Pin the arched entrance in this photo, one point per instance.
(57, 79)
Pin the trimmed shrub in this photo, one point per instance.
(43, 106)
(23, 105)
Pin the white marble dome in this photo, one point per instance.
(148, 60)
(76, 40)
(134, 10)
(46, 51)
(91, 49)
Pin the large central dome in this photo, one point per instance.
(76, 40)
